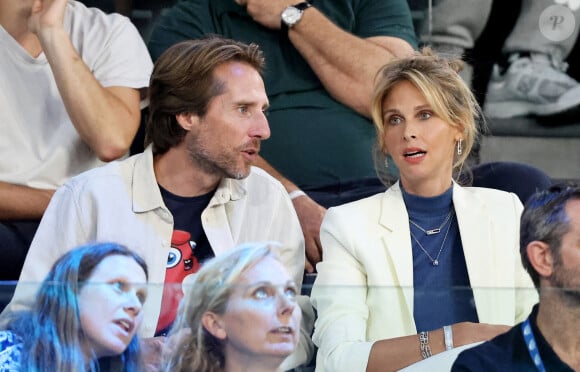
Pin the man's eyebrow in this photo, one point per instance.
(251, 103)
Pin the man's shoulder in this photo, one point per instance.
(80, 12)
(105, 175)
(490, 195)
(259, 178)
(492, 355)
(359, 216)
(92, 29)
(363, 205)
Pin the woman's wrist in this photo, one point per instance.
(424, 345)
(448, 337)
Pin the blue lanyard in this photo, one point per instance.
(532, 345)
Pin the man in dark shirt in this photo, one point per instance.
(550, 248)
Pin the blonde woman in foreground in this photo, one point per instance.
(428, 265)
(239, 313)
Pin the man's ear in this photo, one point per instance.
(187, 120)
(214, 325)
(540, 257)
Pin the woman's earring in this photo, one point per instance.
(387, 161)
(460, 147)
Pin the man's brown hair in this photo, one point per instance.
(183, 81)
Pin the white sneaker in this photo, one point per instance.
(534, 85)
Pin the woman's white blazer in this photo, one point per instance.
(364, 288)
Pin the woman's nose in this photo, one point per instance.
(286, 304)
(409, 132)
(133, 303)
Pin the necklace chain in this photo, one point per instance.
(434, 261)
(436, 230)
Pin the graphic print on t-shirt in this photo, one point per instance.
(181, 262)
(189, 249)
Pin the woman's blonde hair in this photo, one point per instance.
(438, 80)
(209, 291)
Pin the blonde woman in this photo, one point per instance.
(239, 313)
(427, 265)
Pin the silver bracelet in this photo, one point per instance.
(296, 194)
(424, 345)
(448, 333)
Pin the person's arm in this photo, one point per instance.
(396, 353)
(345, 64)
(18, 202)
(310, 215)
(106, 119)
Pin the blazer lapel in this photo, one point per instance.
(474, 227)
(397, 241)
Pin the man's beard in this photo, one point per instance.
(566, 282)
(223, 164)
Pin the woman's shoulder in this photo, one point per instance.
(10, 349)
(489, 195)
(357, 208)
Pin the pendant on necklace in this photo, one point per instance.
(433, 231)
(436, 263)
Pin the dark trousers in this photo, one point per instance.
(521, 179)
(15, 238)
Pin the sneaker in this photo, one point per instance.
(531, 85)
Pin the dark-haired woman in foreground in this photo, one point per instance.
(85, 316)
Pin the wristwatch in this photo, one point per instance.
(292, 14)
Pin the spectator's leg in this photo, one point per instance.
(15, 239)
(521, 179)
(528, 36)
(456, 23)
(455, 26)
(531, 78)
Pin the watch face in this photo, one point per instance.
(291, 15)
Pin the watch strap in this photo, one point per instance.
(300, 6)
(303, 5)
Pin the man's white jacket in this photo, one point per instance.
(121, 202)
